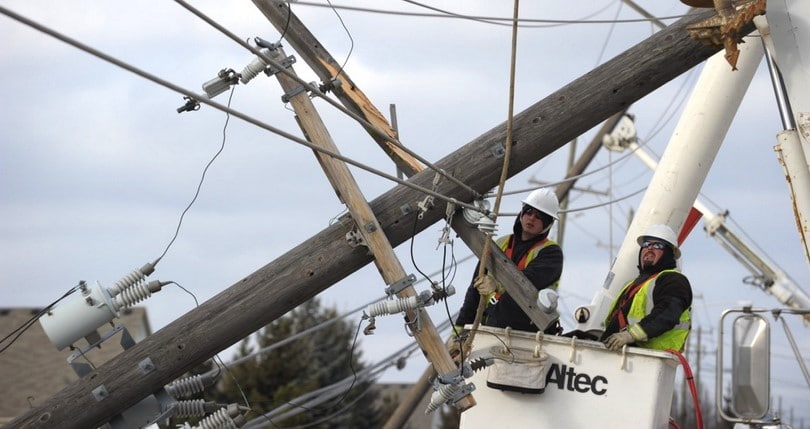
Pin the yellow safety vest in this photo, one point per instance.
(503, 243)
(642, 305)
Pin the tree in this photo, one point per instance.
(314, 361)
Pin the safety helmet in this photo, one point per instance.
(663, 233)
(544, 200)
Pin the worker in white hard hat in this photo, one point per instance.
(537, 256)
(652, 311)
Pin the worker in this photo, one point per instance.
(652, 311)
(537, 256)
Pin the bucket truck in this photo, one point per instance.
(575, 382)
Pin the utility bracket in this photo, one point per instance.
(399, 285)
(295, 91)
(286, 62)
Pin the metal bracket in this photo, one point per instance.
(405, 209)
(295, 91)
(146, 365)
(465, 390)
(100, 393)
(286, 63)
(399, 285)
(497, 151)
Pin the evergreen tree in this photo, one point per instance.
(312, 362)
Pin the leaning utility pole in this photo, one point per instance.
(326, 258)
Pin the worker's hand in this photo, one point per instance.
(455, 347)
(618, 340)
(485, 285)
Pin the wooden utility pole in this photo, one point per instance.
(366, 225)
(326, 258)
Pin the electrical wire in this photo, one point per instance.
(348, 33)
(573, 178)
(238, 114)
(30, 322)
(692, 388)
(314, 90)
(202, 177)
(489, 19)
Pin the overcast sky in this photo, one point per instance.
(97, 166)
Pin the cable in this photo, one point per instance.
(578, 176)
(351, 46)
(687, 371)
(372, 129)
(24, 327)
(240, 115)
(610, 33)
(485, 19)
(202, 178)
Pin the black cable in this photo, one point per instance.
(24, 327)
(351, 40)
(202, 178)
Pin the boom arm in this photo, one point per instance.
(770, 279)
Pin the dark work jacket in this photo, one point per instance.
(543, 271)
(672, 295)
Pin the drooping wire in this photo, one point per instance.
(202, 177)
(220, 364)
(348, 33)
(286, 23)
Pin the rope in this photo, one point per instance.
(482, 300)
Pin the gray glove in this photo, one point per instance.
(618, 340)
(485, 285)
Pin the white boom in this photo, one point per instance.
(682, 170)
(766, 276)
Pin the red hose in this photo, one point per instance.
(687, 371)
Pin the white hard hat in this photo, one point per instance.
(663, 233)
(544, 200)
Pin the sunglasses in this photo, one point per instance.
(654, 244)
(531, 211)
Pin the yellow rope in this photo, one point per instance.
(482, 301)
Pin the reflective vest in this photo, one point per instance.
(641, 307)
(524, 261)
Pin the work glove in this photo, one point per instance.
(485, 285)
(455, 346)
(618, 340)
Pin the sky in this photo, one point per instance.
(97, 167)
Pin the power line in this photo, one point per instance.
(236, 113)
(317, 92)
(486, 19)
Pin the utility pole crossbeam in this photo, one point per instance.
(367, 225)
(322, 260)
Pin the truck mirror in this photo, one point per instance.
(750, 380)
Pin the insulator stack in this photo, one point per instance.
(186, 386)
